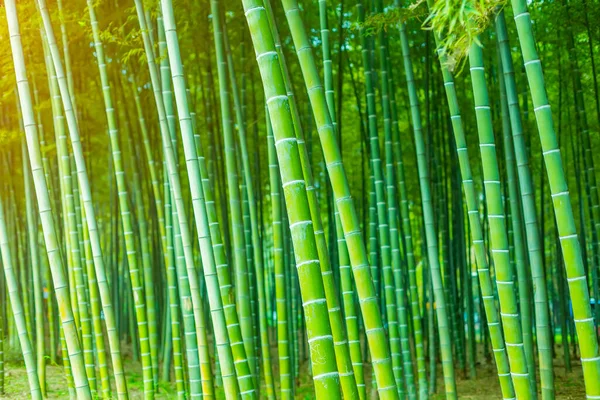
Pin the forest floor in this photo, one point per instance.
(484, 387)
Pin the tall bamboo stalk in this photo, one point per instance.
(45, 211)
(571, 250)
(542, 319)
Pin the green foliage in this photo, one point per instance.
(8, 136)
(459, 23)
(390, 18)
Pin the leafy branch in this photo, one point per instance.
(458, 25)
(391, 18)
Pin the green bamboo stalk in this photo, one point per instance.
(392, 210)
(76, 280)
(439, 189)
(247, 390)
(34, 261)
(292, 283)
(576, 278)
(194, 322)
(21, 262)
(141, 300)
(240, 264)
(348, 298)
(256, 247)
(283, 317)
(66, 365)
(430, 232)
(81, 295)
(326, 378)
(252, 275)
(498, 239)
(382, 217)
(189, 147)
(341, 347)
(166, 226)
(148, 278)
(194, 319)
(224, 277)
(154, 175)
(581, 122)
(407, 238)
(173, 296)
(96, 311)
(44, 148)
(195, 339)
(47, 273)
(542, 319)
(56, 262)
(343, 256)
(345, 204)
(67, 54)
(166, 85)
(477, 235)
(373, 253)
(517, 233)
(13, 291)
(103, 285)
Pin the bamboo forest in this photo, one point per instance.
(290, 199)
